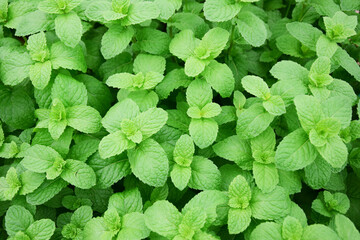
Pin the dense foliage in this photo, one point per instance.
(179, 119)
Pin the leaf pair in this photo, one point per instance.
(148, 69)
(199, 57)
(321, 124)
(119, 15)
(122, 220)
(245, 203)
(56, 57)
(68, 110)
(68, 26)
(130, 130)
(74, 229)
(22, 184)
(164, 218)
(194, 171)
(203, 128)
(43, 159)
(20, 224)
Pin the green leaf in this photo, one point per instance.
(125, 109)
(239, 193)
(9, 185)
(17, 219)
(49, 6)
(338, 108)
(340, 26)
(183, 44)
(40, 74)
(152, 40)
(266, 176)
(305, 33)
(83, 118)
(37, 47)
(149, 163)
(270, 206)
(203, 131)
(256, 86)
(193, 220)
(180, 176)
(275, 105)
(96, 228)
(288, 90)
(238, 220)
(79, 174)
(42, 229)
(318, 173)
(252, 28)
(220, 77)
(113, 144)
(184, 151)
(290, 71)
(167, 8)
(69, 91)
(46, 191)
(204, 174)
(149, 63)
(347, 62)
(266, 231)
(16, 108)
(67, 57)
(334, 152)
(15, 67)
(209, 201)
(199, 93)
(115, 40)
(151, 121)
(295, 151)
(133, 227)
(126, 202)
(163, 218)
(213, 42)
(309, 111)
(68, 28)
(30, 181)
(325, 47)
(318, 232)
(253, 121)
(194, 66)
(39, 158)
(140, 12)
(291, 228)
(235, 149)
(344, 227)
(220, 10)
(109, 171)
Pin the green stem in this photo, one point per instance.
(231, 40)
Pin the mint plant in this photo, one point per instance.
(181, 120)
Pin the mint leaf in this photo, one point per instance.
(268, 206)
(220, 11)
(251, 28)
(203, 131)
(79, 174)
(83, 118)
(17, 219)
(204, 174)
(295, 151)
(163, 218)
(149, 163)
(115, 40)
(68, 28)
